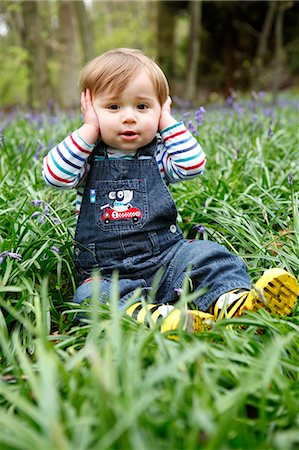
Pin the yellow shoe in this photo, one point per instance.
(156, 312)
(191, 321)
(276, 291)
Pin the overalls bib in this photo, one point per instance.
(127, 215)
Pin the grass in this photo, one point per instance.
(112, 384)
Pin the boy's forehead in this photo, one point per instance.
(141, 86)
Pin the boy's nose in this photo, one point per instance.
(129, 116)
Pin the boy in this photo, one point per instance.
(126, 215)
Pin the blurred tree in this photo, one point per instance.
(32, 38)
(266, 32)
(67, 88)
(85, 29)
(279, 60)
(165, 37)
(195, 11)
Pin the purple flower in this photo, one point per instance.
(199, 228)
(35, 214)
(36, 202)
(199, 115)
(44, 213)
(191, 127)
(179, 291)
(55, 249)
(230, 100)
(10, 255)
(290, 178)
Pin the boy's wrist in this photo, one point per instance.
(89, 133)
(166, 120)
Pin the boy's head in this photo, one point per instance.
(114, 69)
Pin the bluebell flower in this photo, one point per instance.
(191, 127)
(36, 202)
(199, 228)
(9, 255)
(199, 115)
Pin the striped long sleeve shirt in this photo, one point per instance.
(179, 157)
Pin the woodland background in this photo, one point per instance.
(208, 49)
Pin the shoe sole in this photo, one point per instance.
(277, 291)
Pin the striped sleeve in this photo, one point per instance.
(179, 157)
(66, 164)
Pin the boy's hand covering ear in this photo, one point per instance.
(90, 116)
(167, 106)
(166, 119)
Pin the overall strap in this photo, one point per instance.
(148, 150)
(100, 150)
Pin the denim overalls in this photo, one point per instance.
(127, 223)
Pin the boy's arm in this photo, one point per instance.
(180, 156)
(66, 164)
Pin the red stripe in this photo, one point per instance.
(87, 280)
(191, 167)
(55, 176)
(78, 146)
(174, 135)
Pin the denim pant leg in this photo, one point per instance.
(126, 287)
(212, 267)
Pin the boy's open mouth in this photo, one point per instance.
(129, 133)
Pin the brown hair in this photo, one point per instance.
(116, 68)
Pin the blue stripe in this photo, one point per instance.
(189, 138)
(66, 160)
(73, 154)
(185, 150)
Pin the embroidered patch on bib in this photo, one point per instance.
(120, 207)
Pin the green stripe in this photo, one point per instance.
(59, 167)
(188, 159)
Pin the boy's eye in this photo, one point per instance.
(142, 106)
(113, 107)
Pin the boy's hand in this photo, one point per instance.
(166, 119)
(90, 130)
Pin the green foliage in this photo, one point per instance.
(111, 383)
(124, 25)
(13, 67)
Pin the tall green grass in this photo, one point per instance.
(110, 383)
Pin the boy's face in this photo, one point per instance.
(129, 120)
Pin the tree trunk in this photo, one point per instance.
(68, 69)
(85, 30)
(265, 33)
(165, 35)
(195, 13)
(37, 62)
(279, 58)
